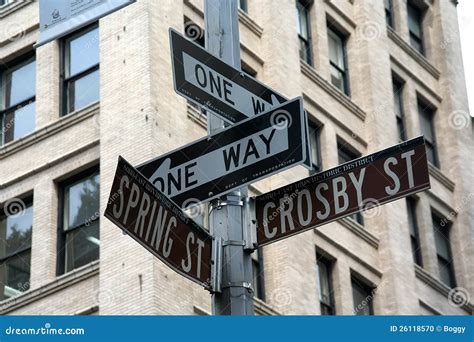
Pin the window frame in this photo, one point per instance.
(437, 218)
(243, 5)
(414, 238)
(420, 18)
(389, 13)
(365, 287)
(426, 109)
(306, 6)
(398, 88)
(333, 31)
(329, 265)
(61, 232)
(28, 201)
(7, 68)
(65, 81)
(348, 150)
(315, 131)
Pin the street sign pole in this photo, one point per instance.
(226, 219)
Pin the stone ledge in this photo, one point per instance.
(195, 115)
(245, 19)
(56, 285)
(439, 286)
(418, 57)
(261, 308)
(52, 163)
(358, 230)
(51, 129)
(441, 177)
(341, 13)
(335, 93)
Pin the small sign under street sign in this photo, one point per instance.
(160, 226)
(219, 87)
(239, 155)
(360, 184)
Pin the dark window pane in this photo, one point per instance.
(15, 232)
(21, 84)
(363, 297)
(302, 20)
(442, 243)
(388, 12)
(82, 246)
(336, 49)
(82, 202)
(84, 91)
(314, 136)
(83, 52)
(15, 275)
(337, 78)
(243, 5)
(415, 23)
(445, 272)
(18, 123)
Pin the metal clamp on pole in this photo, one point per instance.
(216, 265)
(245, 285)
(250, 227)
(219, 204)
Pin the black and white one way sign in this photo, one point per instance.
(244, 153)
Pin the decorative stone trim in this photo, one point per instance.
(358, 230)
(50, 164)
(12, 7)
(335, 93)
(418, 57)
(440, 177)
(42, 133)
(439, 286)
(341, 13)
(247, 21)
(429, 308)
(88, 311)
(351, 255)
(450, 211)
(340, 124)
(22, 34)
(61, 282)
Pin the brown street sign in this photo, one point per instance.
(159, 225)
(357, 185)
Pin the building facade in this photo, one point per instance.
(372, 73)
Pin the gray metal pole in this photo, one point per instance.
(226, 219)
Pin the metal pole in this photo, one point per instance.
(226, 215)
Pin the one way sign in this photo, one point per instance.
(217, 86)
(244, 153)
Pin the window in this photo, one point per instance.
(414, 234)
(315, 144)
(415, 27)
(326, 298)
(17, 99)
(79, 227)
(398, 106)
(15, 249)
(303, 29)
(345, 154)
(337, 60)
(443, 250)
(258, 277)
(428, 131)
(81, 69)
(243, 5)
(363, 296)
(389, 12)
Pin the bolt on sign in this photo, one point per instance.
(241, 154)
(226, 91)
(357, 185)
(159, 225)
